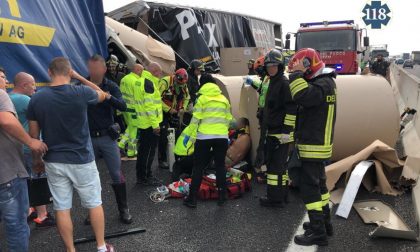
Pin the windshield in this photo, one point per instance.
(338, 40)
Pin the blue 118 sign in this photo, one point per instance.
(376, 14)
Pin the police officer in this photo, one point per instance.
(261, 86)
(313, 88)
(175, 100)
(104, 134)
(210, 123)
(149, 112)
(279, 118)
(196, 68)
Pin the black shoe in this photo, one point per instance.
(125, 217)
(121, 198)
(49, 221)
(266, 202)
(316, 234)
(190, 202)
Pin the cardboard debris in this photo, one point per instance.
(336, 196)
(352, 188)
(385, 160)
(390, 224)
(411, 170)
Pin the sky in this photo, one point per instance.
(401, 34)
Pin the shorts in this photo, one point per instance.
(84, 178)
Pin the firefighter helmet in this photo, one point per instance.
(273, 57)
(181, 76)
(311, 59)
(197, 64)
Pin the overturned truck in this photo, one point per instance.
(198, 33)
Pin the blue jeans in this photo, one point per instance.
(14, 207)
(107, 148)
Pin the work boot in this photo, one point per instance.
(327, 220)
(121, 198)
(267, 202)
(316, 234)
(222, 197)
(190, 201)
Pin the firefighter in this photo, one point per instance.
(279, 118)
(149, 112)
(196, 69)
(261, 86)
(129, 138)
(175, 99)
(313, 88)
(210, 125)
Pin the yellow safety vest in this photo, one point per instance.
(127, 90)
(180, 149)
(211, 114)
(148, 104)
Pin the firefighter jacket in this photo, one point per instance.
(174, 96)
(279, 110)
(316, 101)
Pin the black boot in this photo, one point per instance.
(316, 234)
(121, 197)
(222, 197)
(190, 201)
(327, 219)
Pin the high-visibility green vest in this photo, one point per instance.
(148, 103)
(262, 87)
(127, 90)
(211, 114)
(180, 149)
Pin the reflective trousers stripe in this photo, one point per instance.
(272, 179)
(314, 206)
(329, 124)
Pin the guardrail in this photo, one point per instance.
(406, 87)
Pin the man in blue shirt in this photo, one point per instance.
(24, 87)
(59, 113)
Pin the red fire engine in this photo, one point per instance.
(339, 43)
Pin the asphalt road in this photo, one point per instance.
(241, 225)
(415, 70)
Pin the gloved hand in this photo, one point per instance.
(284, 138)
(186, 139)
(248, 81)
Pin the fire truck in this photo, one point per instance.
(339, 43)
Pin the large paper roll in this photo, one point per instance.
(366, 111)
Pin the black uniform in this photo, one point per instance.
(193, 86)
(380, 67)
(279, 118)
(316, 101)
